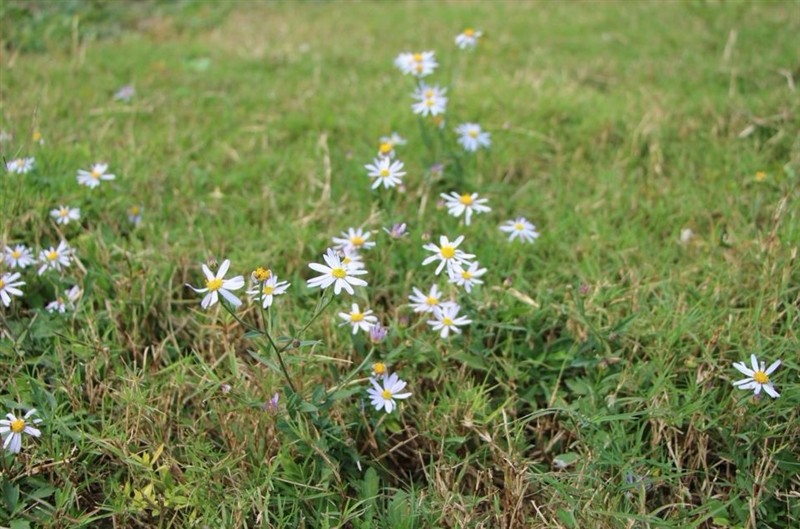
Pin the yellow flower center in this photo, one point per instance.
(466, 274)
(466, 200)
(135, 210)
(357, 240)
(519, 226)
(379, 368)
(384, 173)
(268, 290)
(448, 252)
(469, 32)
(2, 284)
(346, 260)
(418, 57)
(429, 93)
(16, 254)
(761, 176)
(262, 274)
(473, 133)
(64, 212)
(17, 425)
(761, 377)
(52, 255)
(385, 148)
(214, 284)
(96, 174)
(36, 135)
(386, 394)
(430, 102)
(339, 273)
(430, 300)
(447, 322)
(356, 317)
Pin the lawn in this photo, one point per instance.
(654, 146)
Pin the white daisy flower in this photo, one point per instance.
(55, 258)
(65, 302)
(18, 257)
(447, 253)
(12, 428)
(93, 177)
(354, 239)
(216, 284)
(471, 137)
(21, 165)
(465, 204)
(520, 228)
(431, 100)
(388, 143)
(359, 320)
(267, 290)
(350, 256)
(135, 215)
(466, 277)
(383, 397)
(8, 287)
(394, 139)
(385, 172)
(426, 303)
(64, 214)
(416, 64)
(447, 319)
(336, 273)
(758, 377)
(468, 39)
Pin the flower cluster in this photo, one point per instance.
(59, 258)
(19, 257)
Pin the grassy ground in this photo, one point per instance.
(593, 387)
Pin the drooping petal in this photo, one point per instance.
(233, 300)
(743, 369)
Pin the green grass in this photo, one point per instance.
(606, 345)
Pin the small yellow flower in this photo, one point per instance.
(261, 274)
(379, 369)
(761, 176)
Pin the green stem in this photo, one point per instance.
(353, 372)
(272, 343)
(317, 312)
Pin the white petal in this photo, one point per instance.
(743, 369)
(234, 283)
(773, 367)
(233, 300)
(223, 269)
